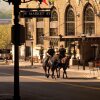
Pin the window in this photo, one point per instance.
(89, 26)
(69, 21)
(39, 19)
(39, 33)
(54, 30)
(54, 16)
(27, 26)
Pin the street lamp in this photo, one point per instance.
(83, 52)
(31, 51)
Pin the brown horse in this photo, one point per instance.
(51, 65)
(64, 63)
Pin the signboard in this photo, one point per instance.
(35, 14)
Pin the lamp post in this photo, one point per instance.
(31, 51)
(83, 52)
(74, 51)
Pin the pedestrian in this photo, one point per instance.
(78, 62)
(41, 53)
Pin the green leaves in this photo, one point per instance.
(5, 35)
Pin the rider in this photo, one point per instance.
(62, 52)
(50, 53)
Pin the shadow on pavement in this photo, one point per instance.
(53, 90)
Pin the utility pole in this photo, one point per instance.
(83, 50)
(16, 52)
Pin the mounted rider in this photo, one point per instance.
(50, 53)
(62, 52)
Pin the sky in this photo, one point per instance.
(4, 6)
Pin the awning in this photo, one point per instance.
(52, 38)
(72, 38)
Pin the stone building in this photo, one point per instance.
(76, 21)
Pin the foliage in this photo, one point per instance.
(5, 35)
(6, 15)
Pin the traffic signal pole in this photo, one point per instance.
(16, 53)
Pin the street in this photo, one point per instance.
(35, 86)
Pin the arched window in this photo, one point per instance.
(69, 21)
(89, 26)
(54, 16)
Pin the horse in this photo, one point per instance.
(51, 63)
(46, 66)
(64, 63)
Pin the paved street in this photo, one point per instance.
(35, 86)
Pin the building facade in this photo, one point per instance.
(76, 21)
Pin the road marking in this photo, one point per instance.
(44, 80)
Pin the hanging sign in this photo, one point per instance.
(35, 14)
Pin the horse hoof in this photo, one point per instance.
(47, 76)
(58, 76)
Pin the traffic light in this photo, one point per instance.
(40, 1)
(10, 1)
(18, 34)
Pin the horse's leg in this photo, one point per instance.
(52, 73)
(64, 72)
(48, 72)
(45, 70)
(53, 76)
(58, 72)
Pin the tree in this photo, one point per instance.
(5, 35)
